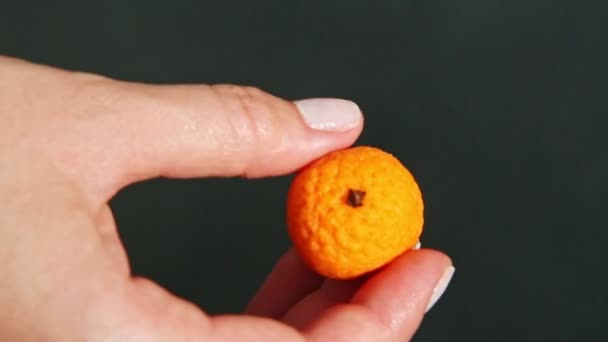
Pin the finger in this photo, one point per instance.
(289, 281)
(236, 328)
(331, 293)
(142, 131)
(391, 305)
(148, 312)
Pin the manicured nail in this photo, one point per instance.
(442, 284)
(330, 114)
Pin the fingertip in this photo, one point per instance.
(391, 304)
(432, 255)
(403, 292)
(324, 125)
(441, 286)
(330, 114)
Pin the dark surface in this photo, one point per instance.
(498, 107)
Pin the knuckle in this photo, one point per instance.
(250, 112)
(253, 122)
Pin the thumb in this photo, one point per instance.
(182, 131)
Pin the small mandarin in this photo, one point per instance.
(352, 211)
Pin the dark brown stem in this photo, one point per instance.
(355, 198)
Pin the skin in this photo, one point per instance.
(69, 141)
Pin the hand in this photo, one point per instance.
(69, 141)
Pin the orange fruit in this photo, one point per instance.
(352, 211)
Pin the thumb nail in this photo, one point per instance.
(329, 114)
(441, 286)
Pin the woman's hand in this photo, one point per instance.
(69, 141)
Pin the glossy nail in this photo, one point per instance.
(441, 286)
(330, 114)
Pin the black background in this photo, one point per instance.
(497, 107)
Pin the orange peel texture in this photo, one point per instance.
(353, 211)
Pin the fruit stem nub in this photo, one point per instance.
(355, 198)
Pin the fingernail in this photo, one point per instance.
(418, 245)
(329, 114)
(442, 284)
